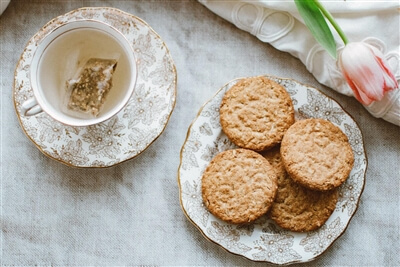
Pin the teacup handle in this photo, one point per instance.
(30, 107)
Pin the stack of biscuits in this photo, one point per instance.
(288, 169)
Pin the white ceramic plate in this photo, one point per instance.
(134, 128)
(264, 240)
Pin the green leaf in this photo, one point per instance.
(316, 23)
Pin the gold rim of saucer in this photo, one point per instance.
(88, 12)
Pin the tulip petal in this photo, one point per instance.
(358, 93)
(366, 72)
(390, 80)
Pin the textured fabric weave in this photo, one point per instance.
(130, 214)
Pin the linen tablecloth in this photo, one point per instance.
(130, 214)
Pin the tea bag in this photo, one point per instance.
(88, 92)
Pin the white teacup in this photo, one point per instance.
(58, 57)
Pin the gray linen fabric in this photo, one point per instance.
(130, 214)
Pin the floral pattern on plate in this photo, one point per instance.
(264, 240)
(134, 128)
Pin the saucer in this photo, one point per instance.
(263, 240)
(134, 128)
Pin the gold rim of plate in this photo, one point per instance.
(203, 229)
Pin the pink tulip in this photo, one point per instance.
(367, 72)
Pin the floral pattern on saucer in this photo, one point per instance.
(134, 128)
(264, 240)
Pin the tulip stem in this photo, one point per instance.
(332, 21)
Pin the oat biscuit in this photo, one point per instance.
(238, 186)
(256, 112)
(317, 154)
(295, 207)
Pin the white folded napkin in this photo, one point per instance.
(3, 5)
(279, 24)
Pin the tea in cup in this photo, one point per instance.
(82, 73)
